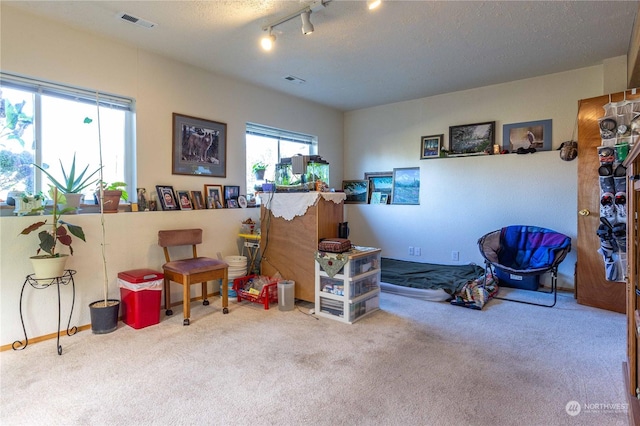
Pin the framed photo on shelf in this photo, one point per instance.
(232, 203)
(214, 196)
(530, 134)
(184, 200)
(231, 192)
(380, 181)
(375, 197)
(406, 186)
(357, 191)
(167, 197)
(198, 201)
(384, 198)
(471, 139)
(430, 146)
(199, 147)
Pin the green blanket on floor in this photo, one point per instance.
(450, 278)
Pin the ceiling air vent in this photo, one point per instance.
(135, 20)
(294, 79)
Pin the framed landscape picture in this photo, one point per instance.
(357, 191)
(199, 147)
(430, 146)
(380, 182)
(472, 139)
(406, 186)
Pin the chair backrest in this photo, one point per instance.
(179, 237)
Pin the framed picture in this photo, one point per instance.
(357, 191)
(167, 197)
(231, 192)
(214, 196)
(198, 201)
(472, 139)
(199, 147)
(184, 200)
(430, 146)
(380, 181)
(232, 203)
(375, 197)
(384, 198)
(406, 186)
(531, 134)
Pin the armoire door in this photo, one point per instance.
(592, 288)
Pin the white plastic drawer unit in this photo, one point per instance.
(349, 296)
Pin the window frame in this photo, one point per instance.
(39, 88)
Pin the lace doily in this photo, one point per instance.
(289, 205)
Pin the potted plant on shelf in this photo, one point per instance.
(52, 264)
(72, 186)
(258, 169)
(111, 192)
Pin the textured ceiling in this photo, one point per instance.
(358, 58)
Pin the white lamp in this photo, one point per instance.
(307, 26)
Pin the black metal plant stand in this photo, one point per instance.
(38, 284)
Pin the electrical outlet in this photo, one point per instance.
(418, 251)
(410, 251)
(455, 256)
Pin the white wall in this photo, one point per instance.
(43, 49)
(462, 199)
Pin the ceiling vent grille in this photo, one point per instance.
(135, 20)
(294, 79)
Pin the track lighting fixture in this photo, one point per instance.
(372, 4)
(305, 14)
(307, 26)
(268, 41)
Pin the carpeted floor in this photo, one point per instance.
(411, 363)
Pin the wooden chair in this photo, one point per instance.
(191, 270)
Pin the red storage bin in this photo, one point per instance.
(140, 297)
(268, 294)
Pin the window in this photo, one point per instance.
(44, 123)
(268, 145)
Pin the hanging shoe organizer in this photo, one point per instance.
(615, 132)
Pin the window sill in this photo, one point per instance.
(7, 210)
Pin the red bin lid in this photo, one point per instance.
(140, 275)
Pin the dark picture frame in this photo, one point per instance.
(472, 139)
(213, 194)
(357, 191)
(232, 203)
(430, 146)
(529, 134)
(381, 182)
(406, 186)
(199, 147)
(198, 201)
(231, 192)
(167, 197)
(184, 200)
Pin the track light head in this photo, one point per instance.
(267, 41)
(307, 26)
(373, 4)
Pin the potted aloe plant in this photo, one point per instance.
(72, 186)
(52, 264)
